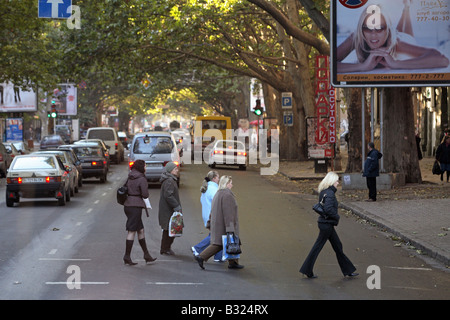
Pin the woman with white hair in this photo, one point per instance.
(327, 193)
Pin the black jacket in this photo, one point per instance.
(443, 153)
(330, 206)
(371, 165)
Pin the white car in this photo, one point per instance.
(228, 152)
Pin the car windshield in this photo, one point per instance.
(29, 163)
(214, 124)
(88, 152)
(152, 144)
(230, 145)
(101, 134)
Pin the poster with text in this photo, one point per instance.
(381, 43)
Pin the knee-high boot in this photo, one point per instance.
(126, 257)
(147, 256)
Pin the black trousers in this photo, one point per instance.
(166, 241)
(327, 232)
(372, 185)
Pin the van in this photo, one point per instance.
(206, 129)
(110, 138)
(156, 148)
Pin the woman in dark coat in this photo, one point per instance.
(224, 219)
(137, 190)
(169, 202)
(443, 156)
(327, 190)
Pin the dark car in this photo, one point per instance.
(51, 142)
(93, 160)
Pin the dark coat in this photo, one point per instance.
(169, 200)
(137, 189)
(443, 153)
(224, 215)
(330, 206)
(371, 165)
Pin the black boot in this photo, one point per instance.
(126, 257)
(147, 256)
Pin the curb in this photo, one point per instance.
(426, 250)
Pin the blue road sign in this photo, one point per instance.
(288, 119)
(55, 9)
(286, 100)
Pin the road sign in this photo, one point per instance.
(288, 118)
(286, 100)
(55, 9)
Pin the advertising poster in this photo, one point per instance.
(14, 129)
(390, 43)
(16, 99)
(66, 99)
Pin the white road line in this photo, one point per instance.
(410, 268)
(67, 237)
(89, 210)
(63, 259)
(96, 201)
(177, 283)
(104, 194)
(74, 283)
(53, 251)
(79, 223)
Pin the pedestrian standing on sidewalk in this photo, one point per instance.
(443, 156)
(169, 202)
(327, 192)
(208, 189)
(137, 190)
(372, 171)
(224, 219)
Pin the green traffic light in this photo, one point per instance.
(258, 112)
(53, 114)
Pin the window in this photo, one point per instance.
(107, 135)
(153, 144)
(28, 163)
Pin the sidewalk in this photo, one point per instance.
(419, 214)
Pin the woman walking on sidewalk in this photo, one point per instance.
(327, 190)
(137, 190)
(443, 156)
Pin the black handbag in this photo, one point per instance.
(122, 194)
(318, 207)
(436, 168)
(233, 246)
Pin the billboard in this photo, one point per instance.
(66, 99)
(383, 43)
(17, 99)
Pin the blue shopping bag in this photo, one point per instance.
(225, 255)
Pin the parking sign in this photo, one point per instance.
(55, 9)
(286, 100)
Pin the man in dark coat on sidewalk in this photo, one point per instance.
(372, 171)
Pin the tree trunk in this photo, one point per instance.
(354, 163)
(400, 151)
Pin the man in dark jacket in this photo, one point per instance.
(169, 202)
(372, 171)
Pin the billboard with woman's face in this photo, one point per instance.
(390, 43)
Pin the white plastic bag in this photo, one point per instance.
(176, 225)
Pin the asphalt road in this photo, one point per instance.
(49, 252)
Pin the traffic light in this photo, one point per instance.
(258, 110)
(53, 113)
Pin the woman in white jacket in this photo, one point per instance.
(208, 189)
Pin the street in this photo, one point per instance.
(75, 252)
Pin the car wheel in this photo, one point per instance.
(9, 201)
(62, 201)
(69, 191)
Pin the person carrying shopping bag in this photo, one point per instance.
(169, 202)
(327, 222)
(137, 190)
(224, 219)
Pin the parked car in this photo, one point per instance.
(70, 168)
(123, 138)
(22, 147)
(11, 149)
(37, 176)
(228, 152)
(100, 143)
(5, 160)
(52, 141)
(93, 160)
(156, 148)
(110, 138)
